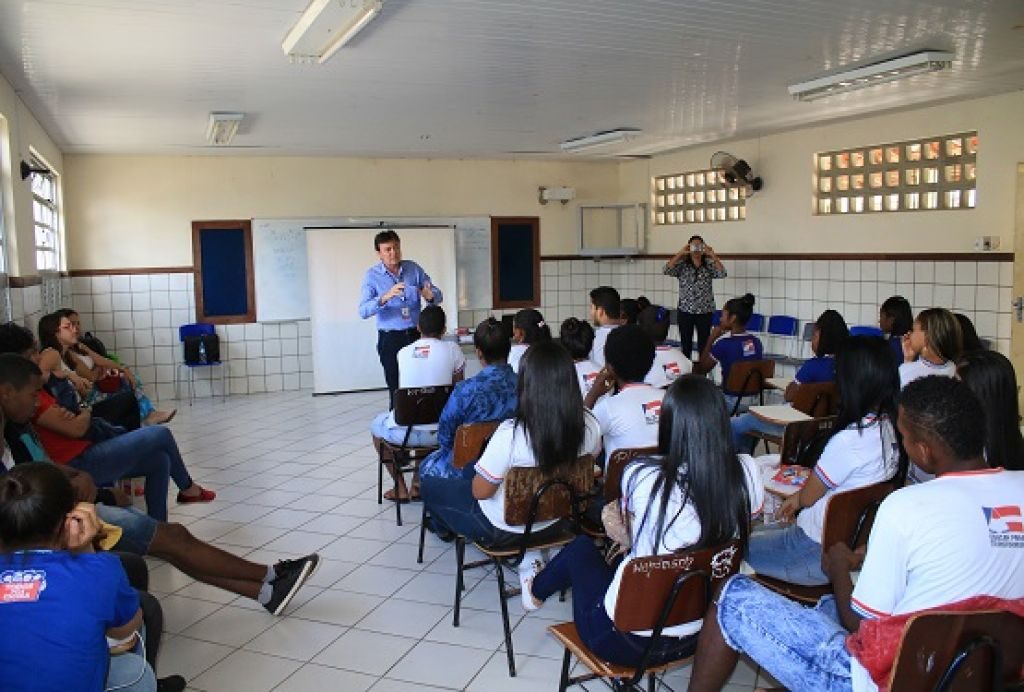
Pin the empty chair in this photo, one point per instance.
(200, 349)
(865, 330)
(782, 330)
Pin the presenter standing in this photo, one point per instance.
(695, 265)
(392, 291)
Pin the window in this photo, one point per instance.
(46, 218)
(697, 197)
(917, 175)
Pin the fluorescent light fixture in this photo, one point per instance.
(870, 75)
(327, 25)
(223, 127)
(599, 139)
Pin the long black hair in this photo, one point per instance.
(832, 333)
(48, 326)
(868, 382)
(990, 376)
(550, 406)
(696, 457)
(535, 329)
(34, 500)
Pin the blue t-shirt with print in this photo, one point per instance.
(734, 347)
(817, 369)
(56, 608)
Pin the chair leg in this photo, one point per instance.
(423, 534)
(380, 480)
(652, 683)
(504, 618)
(563, 682)
(460, 558)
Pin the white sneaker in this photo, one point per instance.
(529, 568)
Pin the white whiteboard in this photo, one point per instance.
(345, 346)
(281, 264)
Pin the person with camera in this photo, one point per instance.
(695, 265)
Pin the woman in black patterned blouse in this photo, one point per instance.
(695, 265)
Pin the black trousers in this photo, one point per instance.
(120, 409)
(389, 343)
(689, 321)
(152, 614)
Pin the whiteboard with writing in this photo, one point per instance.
(280, 269)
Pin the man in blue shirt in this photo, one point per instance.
(392, 291)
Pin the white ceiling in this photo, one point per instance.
(480, 77)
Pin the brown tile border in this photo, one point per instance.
(130, 270)
(883, 256)
(25, 281)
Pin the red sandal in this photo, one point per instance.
(203, 496)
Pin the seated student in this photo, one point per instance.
(629, 308)
(150, 452)
(990, 376)
(932, 346)
(490, 395)
(933, 546)
(862, 450)
(528, 328)
(577, 337)
(830, 332)
(642, 303)
(550, 429)
(630, 417)
(895, 319)
(60, 601)
(95, 366)
(971, 340)
(695, 493)
(669, 361)
(272, 586)
(427, 362)
(734, 346)
(606, 314)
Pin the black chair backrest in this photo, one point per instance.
(420, 405)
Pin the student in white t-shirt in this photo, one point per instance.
(528, 328)
(863, 450)
(932, 347)
(606, 314)
(427, 362)
(630, 417)
(954, 543)
(695, 493)
(578, 338)
(550, 428)
(669, 361)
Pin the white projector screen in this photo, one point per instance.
(345, 346)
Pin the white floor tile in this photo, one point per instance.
(404, 618)
(295, 638)
(189, 657)
(365, 652)
(532, 673)
(231, 625)
(442, 665)
(375, 580)
(245, 670)
(338, 607)
(316, 677)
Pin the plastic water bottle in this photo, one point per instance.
(202, 351)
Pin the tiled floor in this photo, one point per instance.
(294, 474)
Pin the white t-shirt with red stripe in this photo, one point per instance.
(630, 418)
(428, 362)
(669, 364)
(852, 459)
(509, 447)
(958, 536)
(586, 372)
(600, 337)
(923, 367)
(515, 355)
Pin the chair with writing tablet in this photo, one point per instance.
(848, 519)
(816, 399)
(748, 378)
(655, 592)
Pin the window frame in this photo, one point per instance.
(682, 198)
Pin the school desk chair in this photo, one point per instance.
(200, 350)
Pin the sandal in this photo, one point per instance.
(390, 496)
(203, 496)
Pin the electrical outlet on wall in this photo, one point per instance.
(986, 243)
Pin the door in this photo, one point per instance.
(1017, 318)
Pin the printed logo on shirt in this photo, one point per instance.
(21, 585)
(672, 370)
(421, 351)
(652, 412)
(588, 380)
(1005, 526)
(749, 348)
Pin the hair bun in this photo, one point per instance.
(748, 298)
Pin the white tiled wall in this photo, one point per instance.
(800, 288)
(138, 315)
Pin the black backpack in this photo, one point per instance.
(210, 342)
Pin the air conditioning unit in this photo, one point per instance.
(556, 194)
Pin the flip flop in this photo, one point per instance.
(390, 496)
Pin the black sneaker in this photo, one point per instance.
(291, 574)
(172, 683)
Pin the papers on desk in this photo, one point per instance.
(779, 414)
(791, 475)
(781, 383)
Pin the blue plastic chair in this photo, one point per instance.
(784, 328)
(755, 323)
(865, 330)
(198, 329)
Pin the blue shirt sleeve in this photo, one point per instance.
(452, 416)
(369, 298)
(424, 278)
(125, 601)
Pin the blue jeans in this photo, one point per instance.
(137, 529)
(581, 567)
(452, 506)
(803, 648)
(748, 422)
(396, 435)
(786, 553)
(149, 452)
(129, 671)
